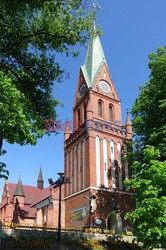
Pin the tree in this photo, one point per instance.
(149, 217)
(149, 167)
(32, 33)
(149, 109)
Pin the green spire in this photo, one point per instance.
(19, 189)
(94, 60)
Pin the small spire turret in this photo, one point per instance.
(128, 126)
(40, 180)
(19, 189)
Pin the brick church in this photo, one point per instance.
(93, 151)
(31, 205)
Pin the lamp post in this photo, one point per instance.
(61, 181)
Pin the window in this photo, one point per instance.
(110, 113)
(78, 112)
(112, 164)
(84, 111)
(79, 118)
(99, 109)
(98, 177)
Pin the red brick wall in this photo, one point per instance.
(104, 201)
(104, 206)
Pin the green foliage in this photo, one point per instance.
(32, 34)
(3, 171)
(149, 119)
(149, 171)
(149, 180)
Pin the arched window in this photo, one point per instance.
(110, 113)
(99, 108)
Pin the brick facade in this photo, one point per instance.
(38, 206)
(94, 150)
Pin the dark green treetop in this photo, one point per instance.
(149, 109)
(32, 33)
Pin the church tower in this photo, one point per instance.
(93, 151)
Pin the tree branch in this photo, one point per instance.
(4, 66)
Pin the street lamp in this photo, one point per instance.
(61, 180)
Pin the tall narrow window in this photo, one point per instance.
(126, 164)
(110, 113)
(99, 109)
(79, 118)
(119, 165)
(97, 161)
(84, 111)
(112, 164)
(105, 158)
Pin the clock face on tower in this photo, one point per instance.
(104, 86)
(82, 90)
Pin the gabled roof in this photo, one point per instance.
(95, 58)
(44, 194)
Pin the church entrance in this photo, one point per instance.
(114, 222)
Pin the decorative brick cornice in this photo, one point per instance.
(98, 189)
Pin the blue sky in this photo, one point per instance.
(131, 30)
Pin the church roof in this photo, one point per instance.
(94, 60)
(19, 189)
(27, 211)
(30, 192)
(33, 195)
(44, 194)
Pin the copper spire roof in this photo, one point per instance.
(94, 60)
